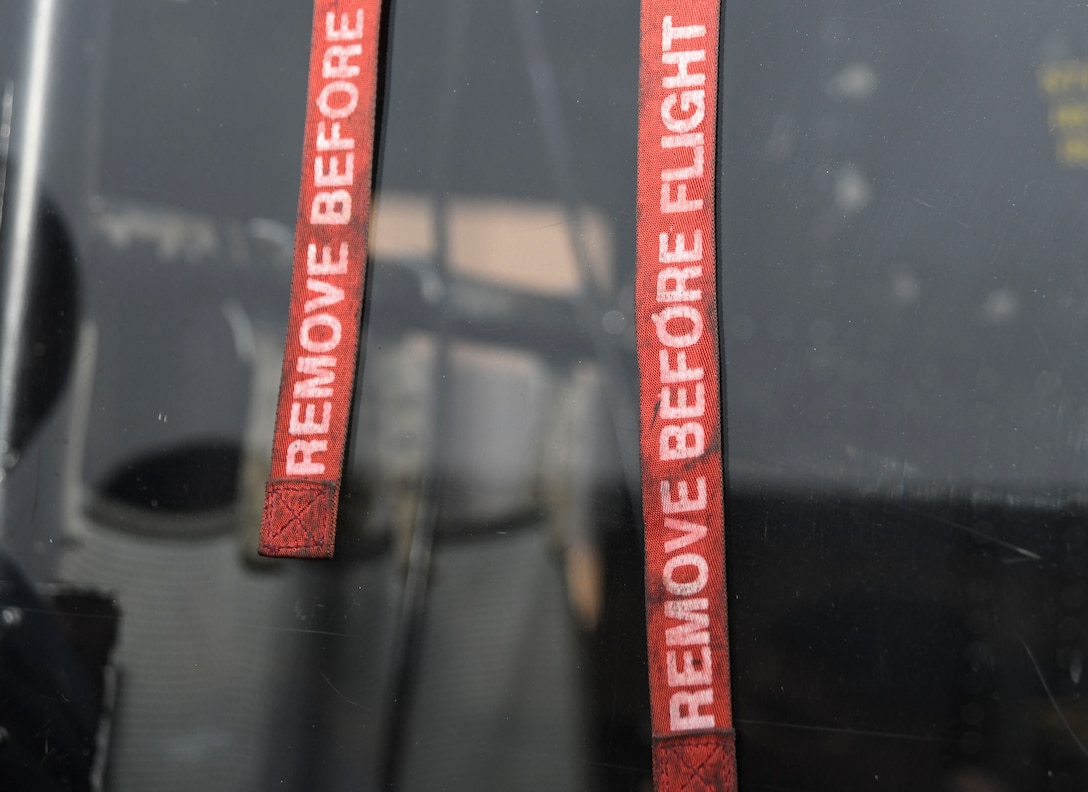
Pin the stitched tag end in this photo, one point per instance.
(299, 519)
(696, 763)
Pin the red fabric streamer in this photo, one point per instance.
(680, 398)
(327, 283)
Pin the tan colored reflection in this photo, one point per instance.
(522, 245)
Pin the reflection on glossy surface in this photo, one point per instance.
(903, 206)
(56, 684)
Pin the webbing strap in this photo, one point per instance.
(680, 399)
(676, 321)
(327, 283)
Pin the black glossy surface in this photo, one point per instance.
(903, 199)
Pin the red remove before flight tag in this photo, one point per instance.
(327, 283)
(680, 398)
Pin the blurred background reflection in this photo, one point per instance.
(903, 205)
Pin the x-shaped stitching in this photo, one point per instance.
(712, 763)
(285, 501)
